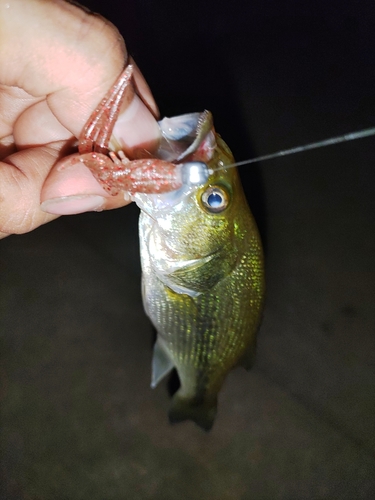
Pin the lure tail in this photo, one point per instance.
(199, 410)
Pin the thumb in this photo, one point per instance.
(71, 188)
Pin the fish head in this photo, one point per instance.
(193, 231)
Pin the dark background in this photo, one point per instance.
(78, 419)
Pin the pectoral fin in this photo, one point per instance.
(200, 411)
(161, 364)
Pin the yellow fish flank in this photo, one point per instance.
(203, 279)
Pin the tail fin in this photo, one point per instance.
(199, 410)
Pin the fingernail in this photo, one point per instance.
(75, 204)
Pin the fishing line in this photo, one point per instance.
(313, 145)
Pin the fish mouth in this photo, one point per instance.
(182, 135)
(183, 138)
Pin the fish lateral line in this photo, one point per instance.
(352, 136)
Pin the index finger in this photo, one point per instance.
(66, 54)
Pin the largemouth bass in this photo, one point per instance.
(203, 273)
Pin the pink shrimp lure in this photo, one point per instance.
(114, 170)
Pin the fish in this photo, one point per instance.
(202, 261)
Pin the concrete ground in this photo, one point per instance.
(78, 418)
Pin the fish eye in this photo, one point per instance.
(215, 199)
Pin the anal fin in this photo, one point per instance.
(161, 364)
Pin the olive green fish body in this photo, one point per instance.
(203, 284)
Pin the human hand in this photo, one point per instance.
(57, 61)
